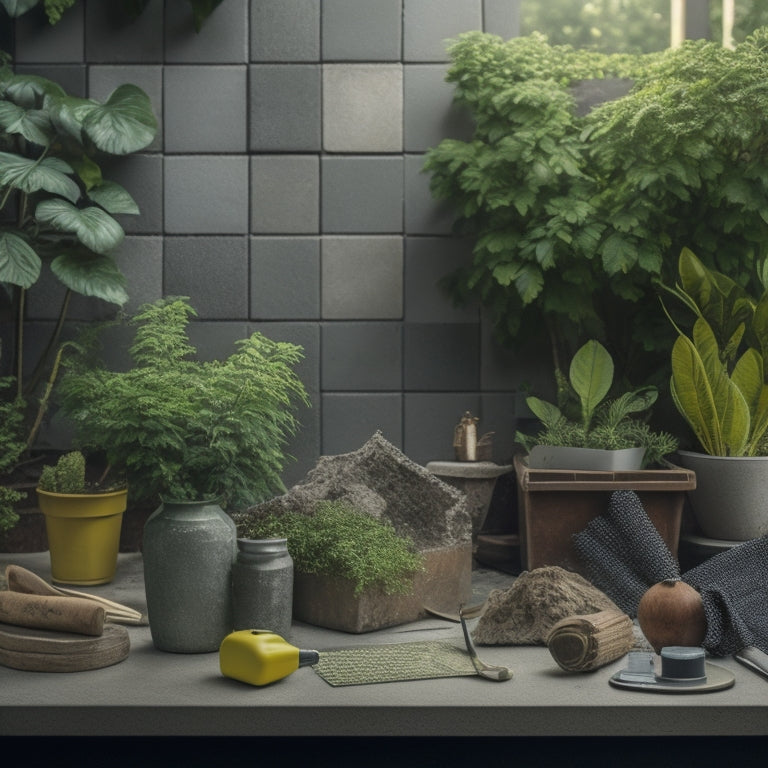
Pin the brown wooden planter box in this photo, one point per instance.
(327, 601)
(554, 504)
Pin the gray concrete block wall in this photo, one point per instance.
(284, 193)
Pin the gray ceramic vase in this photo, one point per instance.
(188, 550)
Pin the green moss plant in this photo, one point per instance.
(338, 540)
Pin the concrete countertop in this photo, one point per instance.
(153, 693)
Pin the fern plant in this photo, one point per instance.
(184, 429)
(574, 217)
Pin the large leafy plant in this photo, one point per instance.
(573, 216)
(584, 418)
(181, 428)
(718, 381)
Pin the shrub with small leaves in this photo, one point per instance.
(66, 476)
(338, 540)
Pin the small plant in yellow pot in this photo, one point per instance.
(82, 520)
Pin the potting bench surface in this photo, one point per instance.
(156, 693)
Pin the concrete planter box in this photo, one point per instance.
(330, 602)
(555, 504)
(566, 457)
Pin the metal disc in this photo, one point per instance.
(717, 679)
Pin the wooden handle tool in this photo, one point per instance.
(62, 614)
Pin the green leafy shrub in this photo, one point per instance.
(575, 216)
(338, 540)
(585, 419)
(66, 476)
(182, 428)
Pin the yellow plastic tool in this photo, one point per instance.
(260, 657)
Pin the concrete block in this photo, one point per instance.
(223, 38)
(427, 261)
(429, 420)
(285, 278)
(284, 103)
(111, 37)
(205, 108)
(502, 18)
(362, 277)
(429, 111)
(103, 79)
(37, 41)
(350, 418)
(362, 107)
(424, 215)
(141, 261)
(362, 194)
(206, 194)
(216, 340)
(361, 356)
(212, 271)
(441, 357)
(142, 177)
(362, 31)
(285, 194)
(430, 23)
(285, 30)
(71, 77)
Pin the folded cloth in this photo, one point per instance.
(734, 590)
(625, 555)
(623, 552)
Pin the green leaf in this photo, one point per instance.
(16, 8)
(201, 10)
(113, 198)
(29, 175)
(93, 227)
(30, 90)
(91, 275)
(125, 123)
(33, 124)
(68, 114)
(19, 264)
(591, 376)
(547, 413)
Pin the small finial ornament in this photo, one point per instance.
(466, 444)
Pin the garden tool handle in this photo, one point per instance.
(62, 614)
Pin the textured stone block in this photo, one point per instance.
(439, 356)
(363, 107)
(142, 177)
(362, 194)
(206, 194)
(429, 23)
(502, 17)
(285, 278)
(424, 215)
(111, 37)
(285, 30)
(285, 109)
(362, 278)
(361, 356)
(350, 418)
(212, 271)
(204, 108)
(427, 261)
(430, 114)
(39, 41)
(362, 31)
(222, 40)
(71, 77)
(285, 194)
(141, 261)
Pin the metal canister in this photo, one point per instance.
(262, 586)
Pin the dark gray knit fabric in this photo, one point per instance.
(624, 555)
(734, 590)
(623, 552)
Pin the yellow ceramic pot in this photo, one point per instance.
(83, 534)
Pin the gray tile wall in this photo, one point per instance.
(284, 193)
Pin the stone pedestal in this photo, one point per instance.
(476, 480)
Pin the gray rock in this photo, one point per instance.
(524, 613)
(380, 480)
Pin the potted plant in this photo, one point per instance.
(719, 385)
(198, 437)
(580, 457)
(586, 431)
(353, 572)
(57, 215)
(83, 521)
